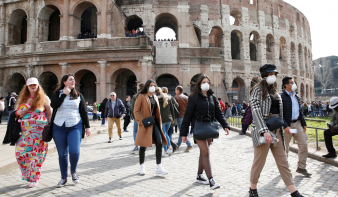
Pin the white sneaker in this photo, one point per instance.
(213, 184)
(170, 150)
(160, 170)
(143, 170)
(165, 154)
(201, 179)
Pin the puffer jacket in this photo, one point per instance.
(198, 109)
(247, 118)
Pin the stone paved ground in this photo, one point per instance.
(110, 170)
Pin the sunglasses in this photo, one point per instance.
(112, 95)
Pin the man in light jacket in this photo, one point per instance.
(114, 110)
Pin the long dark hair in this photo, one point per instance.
(197, 85)
(265, 86)
(144, 90)
(73, 93)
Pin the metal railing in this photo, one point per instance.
(235, 121)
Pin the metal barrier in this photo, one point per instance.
(235, 121)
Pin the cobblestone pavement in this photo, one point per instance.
(110, 170)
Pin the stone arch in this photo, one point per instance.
(166, 20)
(300, 57)
(198, 34)
(270, 47)
(86, 84)
(293, 55)
(254, 39)
(97, 75)
(17, 27)
(49, 23)
(169, 81)
(124, 81)
(237, 93)
(237, 45)
(15, 82)
(283, 49)
(133, 22)
(237, 15)
(193, 81)
(114, 73)
(49, 82)
(85, 18)
(215, 37)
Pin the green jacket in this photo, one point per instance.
(133, 100)
(167, 112)
(334, 118)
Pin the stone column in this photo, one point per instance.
(103, 22)
(30, 44)
(103, 80)
(2, 29)
(64, 67)
(262, 49)
(64, 29)
(145, 62)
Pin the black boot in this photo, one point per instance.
(253, 193)
(296, 194)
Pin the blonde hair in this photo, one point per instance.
(164, 96)
(165, 90)
(38, 100)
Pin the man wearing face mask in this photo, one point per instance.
(294, 117)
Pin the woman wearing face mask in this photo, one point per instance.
(146, 106)
(203, 106)
(32, 107)
(266, 103)
(69, 119)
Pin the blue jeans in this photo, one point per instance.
(179, 124)
(244, 128)
(68, 140)
(103, 120)
(135, 131)
(9, 114)
(320, 111)
(165, 129)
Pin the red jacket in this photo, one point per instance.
(222, 105)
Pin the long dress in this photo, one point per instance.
(30, 150)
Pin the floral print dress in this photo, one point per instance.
(30, 150)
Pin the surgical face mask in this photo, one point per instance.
(152, 89)
(271, 79)
(205, 86)
(294, 87)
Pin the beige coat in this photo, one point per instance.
(142, 110)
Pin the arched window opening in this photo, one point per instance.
(89, 23)
(168, 25)
(270, 47)
(282, 49)
(237, 16)
(16, 83)
(232, 20)
(49, 82)
(253, 52)
(168, 81)
(215, 37)
(236, 45)
(125, 83)
(198, 34)
(254, 45)
(17, 27)
(49, 24)
(134, 26)
(237, 93)
(86, 84)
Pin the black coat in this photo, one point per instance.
(57, 101)
(13, 130)
(127, 106)
(287, 109)
(200, 106)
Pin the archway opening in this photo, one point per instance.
(235, 18)
(300, 57)
(125, 80)
(215, 37)
(86, 84)
(198, 34)
(169, 22)
(193, 81)
(270, 47)
(49, 82)
(134, 22)
(17, 27)
(49, 24)
(16, 83)
(254, 44)
(236, 45)
(169, 81)
(85, 20)
(236, 95)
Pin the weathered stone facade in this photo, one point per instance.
(263, 31)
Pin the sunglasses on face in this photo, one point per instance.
(112, 95)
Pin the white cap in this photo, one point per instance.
(32, 80)
(333, 102)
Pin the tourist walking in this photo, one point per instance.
(182, 101)
(69, 125)
(203, 106)
(148, 116)
(234, 110)
(332, 130)
(167, 116)
(11, 100)
(32, 107)
(135, 128)
(102, 109)
(113, 111)
(2, 108)
(95, 111)
(247, 119)
(266, 103)
(126, 119)
(228, 111)
(294, 118)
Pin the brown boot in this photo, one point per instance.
(303, 172)
(188, 149)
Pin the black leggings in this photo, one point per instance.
(204, 161)
(158, 143)
(1, 112)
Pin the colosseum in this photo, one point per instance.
(226, 39)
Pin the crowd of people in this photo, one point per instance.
(313, 109)
(275, 118)
(87, 34)
(163, 40)
(134, 33)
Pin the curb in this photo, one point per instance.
(51, 150)
(295, 150)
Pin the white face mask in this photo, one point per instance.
(294, 87)
(152, 89)
(205, 86)
(271, 79)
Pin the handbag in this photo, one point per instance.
(149, 121)
(206, 129)
(274, 123)
(47, 133)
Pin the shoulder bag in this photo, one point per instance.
(149, 121)
(206, 129)
(274, 123)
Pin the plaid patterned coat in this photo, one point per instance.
(260, 111)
